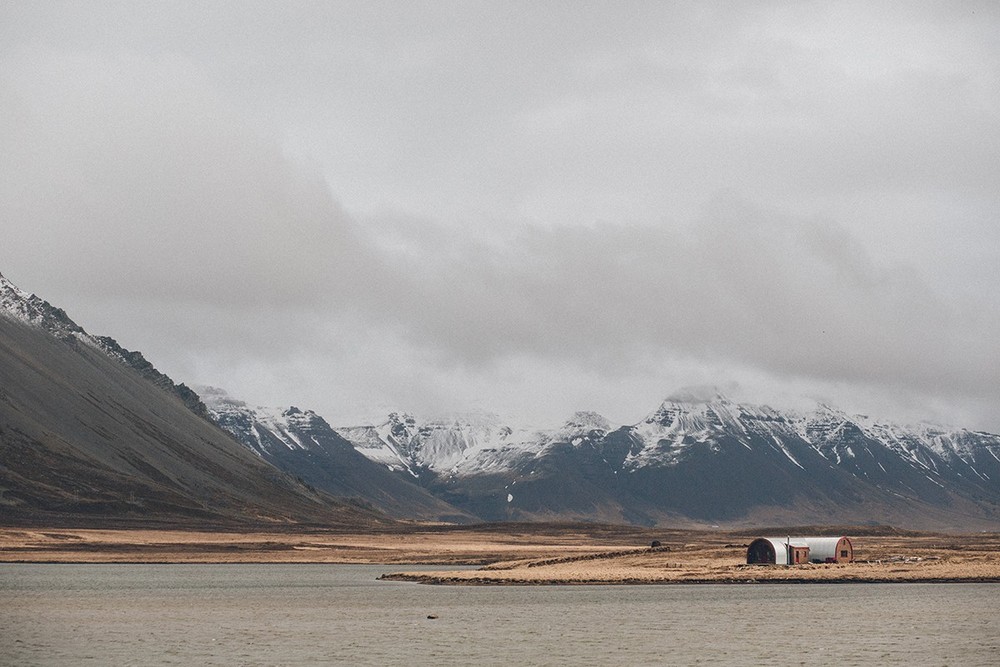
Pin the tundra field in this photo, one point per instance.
(531, 554)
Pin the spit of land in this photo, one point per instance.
(530, 554)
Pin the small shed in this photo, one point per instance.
(797, 550)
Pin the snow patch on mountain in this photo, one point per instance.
(677, 426)
(17, 304)
(587, 422)
(460, 444)
(262, 428)
(685, 423)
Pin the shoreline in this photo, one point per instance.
(482, 581)
(542, 555)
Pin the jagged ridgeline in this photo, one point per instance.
(704, 459)
(302, 443)
(93, 434)
(90, 429)
(692, 460)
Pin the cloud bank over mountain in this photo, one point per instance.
(524, 208)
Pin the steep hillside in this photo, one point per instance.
(91, 434)
(303, 444)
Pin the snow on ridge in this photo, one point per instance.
(922, 444)
(249, 424)
(17, 303)
(458, 443)
(472, 443)
(33, 310)
(367, 441)
(689, 419)
(584, 423)
(685, 421)
(784, 450)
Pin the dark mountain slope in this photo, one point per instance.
(85, 439)
(303, 444)
(705, 461)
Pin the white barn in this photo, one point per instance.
(798, 550)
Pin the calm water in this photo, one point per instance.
(319, 614)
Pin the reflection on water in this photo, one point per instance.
(339, 614)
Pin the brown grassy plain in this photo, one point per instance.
(528, 554)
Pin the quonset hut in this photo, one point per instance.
(797, 550)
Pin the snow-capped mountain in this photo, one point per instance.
(700, 457)
(30, 309)
(15, 303)
(92, 434)
(88, 419)
(303, 444)
(465, 443)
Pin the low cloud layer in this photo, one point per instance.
(531, 212)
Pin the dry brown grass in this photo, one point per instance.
(430, 546)
(912, 558)
(523, 554)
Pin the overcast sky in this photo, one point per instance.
(530, 208)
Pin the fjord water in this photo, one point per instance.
(340, 614)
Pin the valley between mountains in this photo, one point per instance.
(92, 434)
(691, 461)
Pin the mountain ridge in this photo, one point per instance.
(303, 444)
(34, 310)
(75, 409)
(718, 460)
(92, 436)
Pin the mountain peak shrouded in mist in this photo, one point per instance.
(706, 458)
(302, 443)
(584, 421)
(700, 456)
(527, 249)
(697, 394)
(216, 397)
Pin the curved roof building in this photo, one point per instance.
(791, 550)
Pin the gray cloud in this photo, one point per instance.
(151, 186)
(529, 208)
(799, 298)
